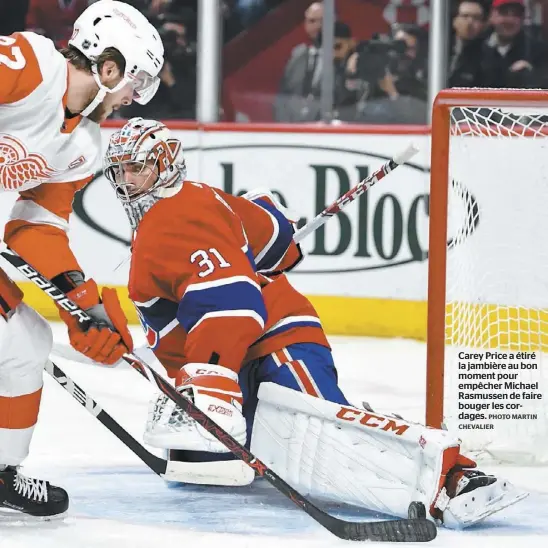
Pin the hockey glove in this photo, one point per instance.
(108, 337)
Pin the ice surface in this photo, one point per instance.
(116, 501)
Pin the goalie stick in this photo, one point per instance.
(400, 530)
(355, 192)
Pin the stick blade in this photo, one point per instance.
(402, 530)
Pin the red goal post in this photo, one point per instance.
(534, 123)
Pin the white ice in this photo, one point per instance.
(116, 501)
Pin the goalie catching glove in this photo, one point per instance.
(215, 391)
(107, 339)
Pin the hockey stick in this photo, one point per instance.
(166, 469)
(402, 530)
(363, 186)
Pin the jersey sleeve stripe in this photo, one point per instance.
(273, 238)
(31, 212)
(289, 323)
(282, 236)
(222, 282)
(241, 296)
(147, 304)
(229, 314)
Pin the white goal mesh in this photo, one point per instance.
(497, 283)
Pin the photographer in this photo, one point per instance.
(176, 96)
(387, 76)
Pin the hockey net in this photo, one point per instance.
(488, 272)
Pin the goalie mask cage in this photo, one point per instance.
(488, 271)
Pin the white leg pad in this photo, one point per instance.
(345, 454)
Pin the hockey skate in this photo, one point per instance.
(469, 496)
(31, 496)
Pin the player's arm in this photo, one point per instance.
(220, 303)
(38, 231)
(221, 306)
(200, 262)
(270, 230)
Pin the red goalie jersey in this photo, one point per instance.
(198, 279)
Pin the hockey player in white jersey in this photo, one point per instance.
(250, 351)
(50, 105)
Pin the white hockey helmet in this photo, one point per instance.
(146, 147)
(111, 24)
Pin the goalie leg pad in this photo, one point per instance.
(345, 454)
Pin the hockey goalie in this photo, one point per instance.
(207, 278)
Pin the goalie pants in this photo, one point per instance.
(25, 344)
(305, 367)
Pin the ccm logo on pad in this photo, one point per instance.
(370, 420)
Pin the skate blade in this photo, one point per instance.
(487, 502)
(12, 517)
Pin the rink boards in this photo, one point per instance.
(365, 271)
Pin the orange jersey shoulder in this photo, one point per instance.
(269, 232)
(20, 71)
(189, 235)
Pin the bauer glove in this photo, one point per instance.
(108, 337)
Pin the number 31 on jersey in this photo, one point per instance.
(205, 261)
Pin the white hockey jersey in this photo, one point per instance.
(39, 146)
(37, 143)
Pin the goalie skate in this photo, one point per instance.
(470, 496)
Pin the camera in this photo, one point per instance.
(378, 55)
(175, 52)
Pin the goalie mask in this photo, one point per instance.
(144, 164)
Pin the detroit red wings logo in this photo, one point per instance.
(18, 166)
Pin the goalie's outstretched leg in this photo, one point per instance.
(350, 455)
(302, 426)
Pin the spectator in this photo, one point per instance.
(344, 47)
(55, 18)
(12, 16)
(176, 96)
(409, 74)
(469, 24)
(300, 85)
(512, 58)
(389, 79)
